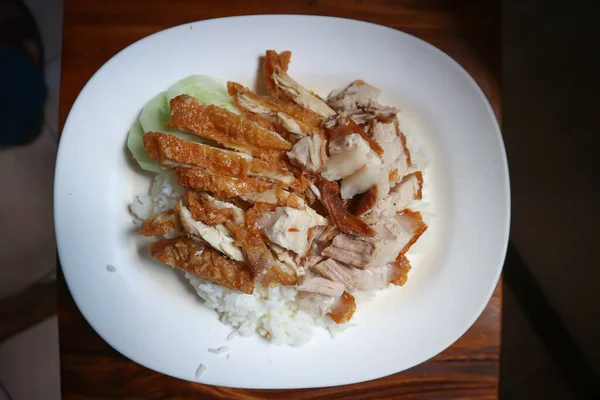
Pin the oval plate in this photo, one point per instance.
(150, 314)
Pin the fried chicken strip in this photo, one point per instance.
(299, 121)
(220, 185)
(218, 236)
(213, 211)
(161, 224)
(200, 259)
(265, 266)
(224, 127)
(275, 60)
(280, 84)
(170, 151)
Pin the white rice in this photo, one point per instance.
(164, 193)
(273, 312)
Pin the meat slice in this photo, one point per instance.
(307, 117)
(288, 258)
(309, 153)
(265, 266)
(337, 272)
(284, 198)
(396, 163)
(161, 224)
(343, 309)
(318, 237)
(348, 155)
(339, 127)
(396, 158)
(365, 178)
(220, 185)
(288, 227)
(399, 197)
(273, 167)
(290, 119)
(339, 215)
(200, 259)
(268, 196)
(218, 236)
(315, 301)
(273, 60)
(279, 84)
(321, 234)
(380, 276)
(372, 278)
(315, 284)
(224, 127)
(170, 151)
(359, 102)
(401, 268)
(354, 158)
(212, 211)
(394, 235)
(340, 309)
(350, 250)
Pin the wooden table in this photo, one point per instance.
(94, 30)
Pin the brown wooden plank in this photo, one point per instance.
(95, 30)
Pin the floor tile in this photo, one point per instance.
(28, 250)
(29, 363)
(48, 15)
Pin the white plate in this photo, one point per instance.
(149, 313)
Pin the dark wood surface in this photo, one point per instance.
(94, 30)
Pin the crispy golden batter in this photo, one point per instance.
(228, 129)
(272, 61)
(200, 259)
(289, 199)
(271, 110)
(235, 132)
(264, 264)
(170, 151)
(344, 220)
(221, 186)
(273, 167)
(254, 107)
(344, 126)
(403, 139)
(401, 269)
(419, 176)
(418, 226)
(364, 202)
(281, 85)
(204, 209)
(161, 224)
(343, 309)
(306, 116)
